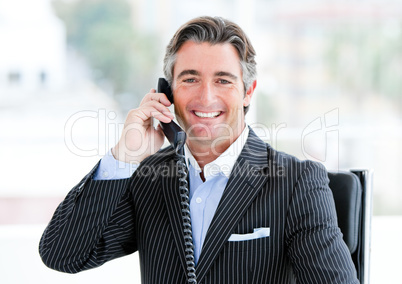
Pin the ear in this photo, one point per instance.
(249, 93)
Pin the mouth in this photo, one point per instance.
(207, 114)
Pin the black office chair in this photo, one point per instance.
(353, 201)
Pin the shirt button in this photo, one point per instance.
(198, 200)
(105, 174)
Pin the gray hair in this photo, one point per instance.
(214, 30)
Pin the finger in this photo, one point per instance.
(155, 110)
(162, 117)
(158, 97)
(154, 105)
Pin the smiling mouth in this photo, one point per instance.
(207, 114)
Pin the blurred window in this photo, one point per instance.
(14, 78)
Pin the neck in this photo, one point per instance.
(204, 152)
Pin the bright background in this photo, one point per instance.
(329, 89)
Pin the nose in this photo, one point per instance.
(206, 93)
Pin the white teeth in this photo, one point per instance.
(207, 114)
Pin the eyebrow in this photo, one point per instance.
(226, 74)
(217, 74)
(188, 72)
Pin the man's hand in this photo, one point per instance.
(139, 138)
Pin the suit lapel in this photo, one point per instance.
(245, 182)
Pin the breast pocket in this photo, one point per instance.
(245, 261)
(256, 234)
(239, 243)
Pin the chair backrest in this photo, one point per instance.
(352, 193)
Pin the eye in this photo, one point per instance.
(189, 80)
(223, 81)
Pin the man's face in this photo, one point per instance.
(209, 93)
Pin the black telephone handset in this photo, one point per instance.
(173, 132)
(177, 137)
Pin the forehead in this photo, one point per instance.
(205, 58)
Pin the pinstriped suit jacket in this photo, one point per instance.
(102, 220)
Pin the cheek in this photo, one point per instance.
(179, 94)
(179, 106)
(236, 101)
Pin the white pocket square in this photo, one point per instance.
(256, 234)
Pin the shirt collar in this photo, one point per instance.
(225, 162)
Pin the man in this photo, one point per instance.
(257, 215)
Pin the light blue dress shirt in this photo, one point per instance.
(204, 196)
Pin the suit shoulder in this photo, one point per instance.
(164, 155)
(151, 168)
(291, 162)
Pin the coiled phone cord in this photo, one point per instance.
(185, 203)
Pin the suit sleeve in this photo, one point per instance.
(316, 247)
(92, 225)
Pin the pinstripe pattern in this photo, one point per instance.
(101, 220)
